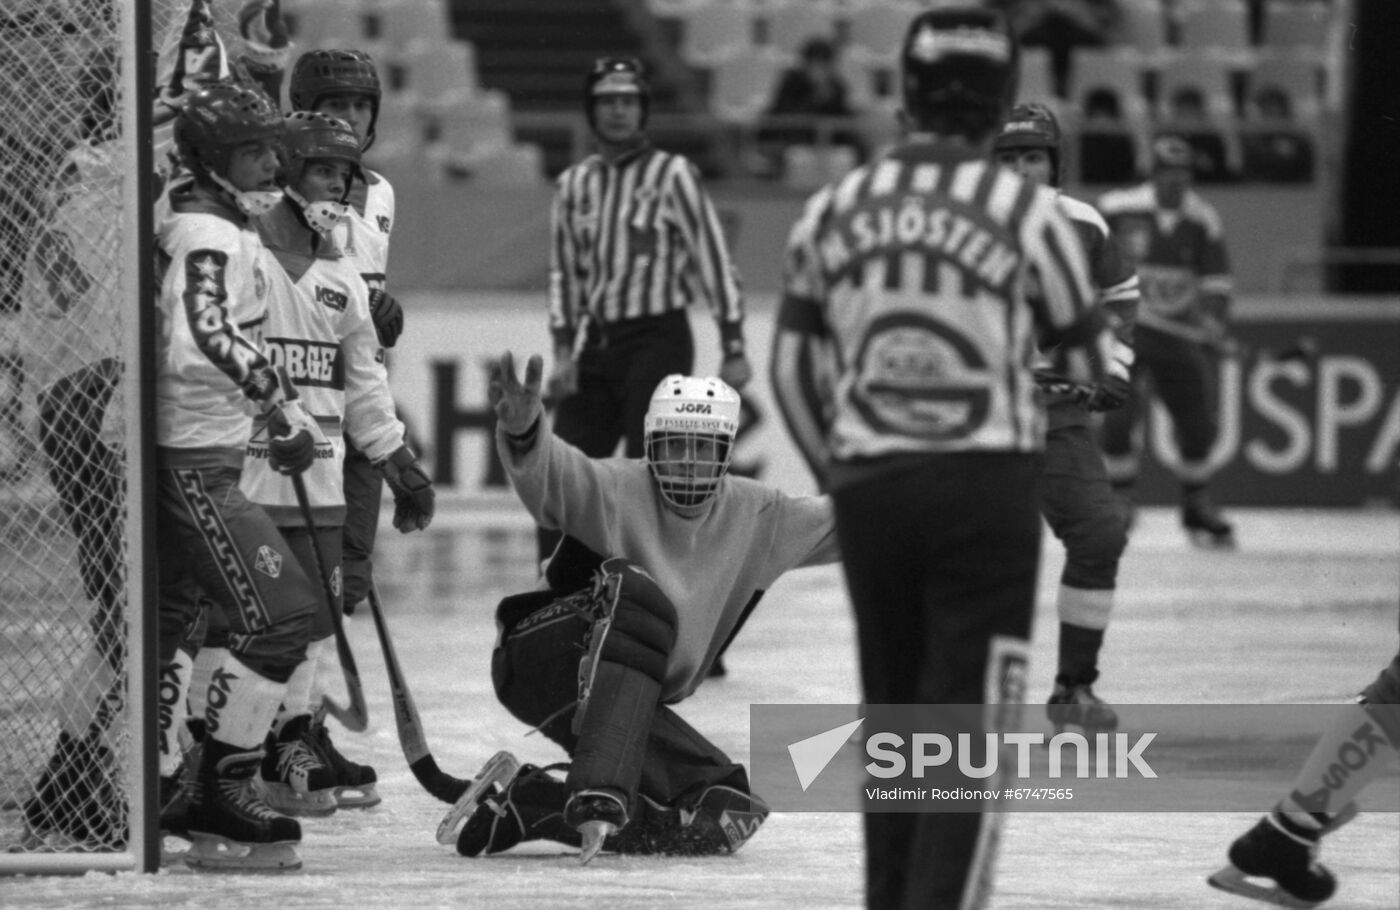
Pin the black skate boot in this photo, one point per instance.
(595, 815)
(718, 823)
(1203, 522)
(294, 779)
(1073, 703)
(1286, 854)
(354, 784)
(76, 806)
(232, 829)
(529, 807)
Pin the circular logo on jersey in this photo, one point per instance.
(921, 378)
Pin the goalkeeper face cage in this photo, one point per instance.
(690, 426)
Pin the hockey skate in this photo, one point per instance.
(530, 806)
(231, 828)
(354, 785)
(294, 780)
(1204, 524)
(75, 806)
(498, 768)
(1283, 854)
(595, 815)
(1074, 704)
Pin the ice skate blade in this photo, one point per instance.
(499, 768)
(1204, 540)
(285, 798)
(594, 832)
(211, 853)
(357, 797)
(1234, 881)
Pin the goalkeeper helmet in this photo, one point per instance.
(319, 73)
(616, 76)
(689, 429)
(215, 120)
(958, 71)
(310, 137)
(1032, 126)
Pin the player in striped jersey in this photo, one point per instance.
(1175, 239)
(1076, 496)
(925, 280)
(635, 241)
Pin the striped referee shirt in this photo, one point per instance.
(916, 291)
(635, 237)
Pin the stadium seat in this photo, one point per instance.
(715, 32)
(1142, 30)
(1207, 72)
(876, 30)
(326, 23)
(741, 88)
(1300, 78)
(788, 26)
(442, 75)
(475, 126)
(1216, 27)
(1299, 26)
(410, 25)
(1110, 69)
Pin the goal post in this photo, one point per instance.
(78, 780)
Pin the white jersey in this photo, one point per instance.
(72, 299)
(364, 234)
(211, 313)
(319, 329)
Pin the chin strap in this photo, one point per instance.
(321, 216)
(250, 202)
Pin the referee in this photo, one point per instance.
(634, 241)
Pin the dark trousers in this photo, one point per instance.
(618, 369)
(1180, 372)
(364, 491)
(535, 671)
(941, 565)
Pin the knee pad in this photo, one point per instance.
(636, 623)
(1093, 548)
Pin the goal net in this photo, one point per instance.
(76, 608)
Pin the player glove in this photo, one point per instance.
(387, 316)
(1112, 392)
(413, 491)
(293, 438)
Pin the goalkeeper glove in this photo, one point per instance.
(413, 491)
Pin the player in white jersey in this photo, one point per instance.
(211, 378)
(345, 84)
(1076, 497)
(320, 332)
(595, 662)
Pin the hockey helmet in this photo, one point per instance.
(616, 76)
(219, 117)
(318, 73)
(1032, 126)
(959, 69)
(689, 428)
(313, 136)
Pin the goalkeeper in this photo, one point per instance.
(596, 662)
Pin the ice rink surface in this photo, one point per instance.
(1304, 612)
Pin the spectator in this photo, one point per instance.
(812, 89)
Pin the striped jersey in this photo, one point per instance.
(319, 330)
(916, 292)
(1179, 255)
(212, 309)
(1116, 285)
(634, 237)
